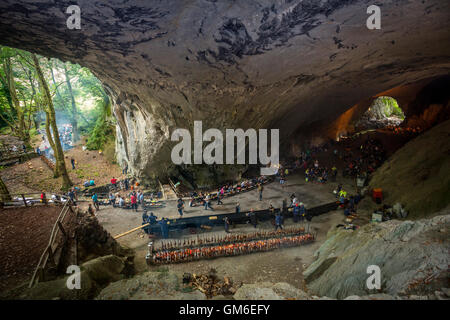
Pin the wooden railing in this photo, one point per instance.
(49, 253)
(27, 199)
(172, 186)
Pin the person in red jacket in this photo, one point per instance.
(133, 201)
(114, 182)
(43, 198)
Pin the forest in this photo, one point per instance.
(38, 95)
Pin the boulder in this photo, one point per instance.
(104, 270)
(413, 258)
(269, 291)
(163, 285)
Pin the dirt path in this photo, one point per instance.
(35, 175)
(24, 234)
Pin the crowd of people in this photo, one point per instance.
(369, 157)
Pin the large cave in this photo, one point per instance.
(298, 65)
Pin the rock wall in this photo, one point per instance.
(413, 258)
(418, 174)
(287, 64)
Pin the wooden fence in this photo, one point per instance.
(48, 256)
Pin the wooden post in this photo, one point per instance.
(41, 274)
(61, 228)
(24, 201)
(50, 254)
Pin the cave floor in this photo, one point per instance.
(284, 265)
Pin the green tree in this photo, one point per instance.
(60, 166)
(18, 99)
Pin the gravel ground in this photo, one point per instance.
(279, 265)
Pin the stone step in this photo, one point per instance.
(168, 192)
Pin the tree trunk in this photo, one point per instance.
(60, 166)
(74, 107)
(4, 193)
(21, 127)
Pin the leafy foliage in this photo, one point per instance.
(101, 133)
(391, 107)
(92, 111)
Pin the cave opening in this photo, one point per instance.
(384, 112)
(363, 116)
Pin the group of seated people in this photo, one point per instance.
(135, 198)
(319, 174)
(227, 189)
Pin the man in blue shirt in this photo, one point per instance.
(302, 211)
(95, 201)
(164, 228)
(278, 221)
(180, 206)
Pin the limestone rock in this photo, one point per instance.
(57, 290)
(104, 269)
(413, 258)
(149, 286)
(269, 291)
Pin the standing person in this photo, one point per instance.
(296, 212)
(114, 182)
(227, 224)
(121, 202)
(309, 219)
(278, 221)
(141, 198)
(112, 199)
(125, 168)
(43, 197)
(219, 197)
(72, 161)
(284, 206)
(208, 202)
(302, 211)
(282, 180)
(334, 173)
(238, 208)
(180, 206)
(71, 195)
(145, 220)
(95, 201)
(164, 228)
(253, 219)
(260, 189)
(126, 183)
(138, 196)
(152, 218)
(133, 201)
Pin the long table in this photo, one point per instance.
(236, 218)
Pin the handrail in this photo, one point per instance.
(45, 255)
(172, 186)
(162, 189)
